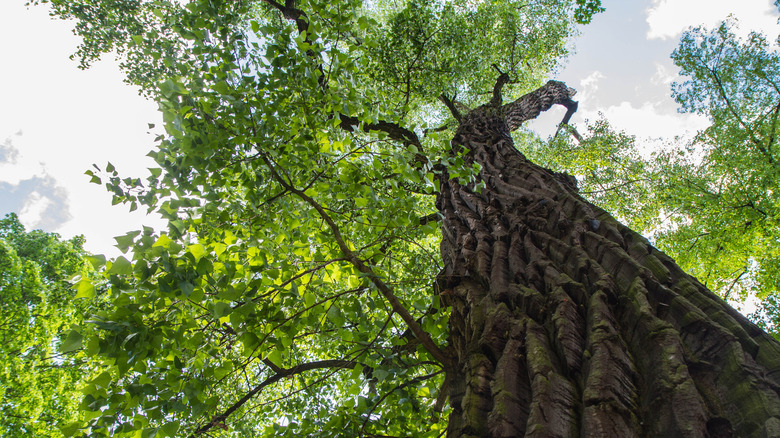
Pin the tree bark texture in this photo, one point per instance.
(566, 323)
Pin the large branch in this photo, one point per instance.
(393, 130)
(530, 105)
(502, 80)
(289, 12)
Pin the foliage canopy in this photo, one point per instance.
(297, 174)
(36, 382)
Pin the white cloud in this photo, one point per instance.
(589, 87)
(17, 166)
(8, 152)
(663, 75)
(70, 119)
(649, 121)
(669, 18)
(32, 214)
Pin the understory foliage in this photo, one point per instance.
(291, 294)
(37, 383)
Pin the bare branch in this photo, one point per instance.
(530, 105)
(393, 130)
(433, 217)
(441, 128)
(734, 283)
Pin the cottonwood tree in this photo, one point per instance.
(37, 383)
(354, 251)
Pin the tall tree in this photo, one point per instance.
(316, 153)
(37, 383)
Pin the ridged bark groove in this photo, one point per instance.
(566, 323)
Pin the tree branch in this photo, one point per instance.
(280, 374)
(502, 80)
(384, 289)
(387, 394)
(441, 128)
(348, 123)
(433, 217)
(734, 283)
(450, 104)
(569, 128)
(730, 106)
(772, 129)
(530, 105)
(393, 130)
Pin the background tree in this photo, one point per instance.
(732, 177)
(316, 154)
(38, 384)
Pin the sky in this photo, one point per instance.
(622, 66)
(57, 120)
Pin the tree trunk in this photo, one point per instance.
(566, 323)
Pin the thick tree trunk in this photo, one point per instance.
(566, 323)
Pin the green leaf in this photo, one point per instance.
(276, 357)
(221, 309)
(71, 428)
(72, 342)
(97, 261)
(163, 241)
(85, 289)
(222, 87)
(186, 288)
(124, 242)
(168, 429)
(335, 316)
(197, 251)
(120, 266)
(309, 299)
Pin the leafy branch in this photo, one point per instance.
(384, 289)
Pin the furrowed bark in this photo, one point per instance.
(566, 323)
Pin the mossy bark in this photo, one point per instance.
(566, 323)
